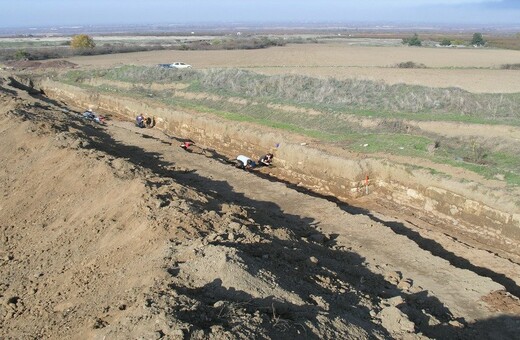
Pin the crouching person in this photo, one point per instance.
(244, 162)
(139, 121)
(266, 160)
(89, 114)
(149, 122)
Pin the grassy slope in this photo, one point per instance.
(336, 101)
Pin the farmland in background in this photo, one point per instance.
(474, 70)
(360, 115)
(368, 94)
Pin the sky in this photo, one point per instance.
(37, 13)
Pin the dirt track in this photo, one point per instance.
(116, 231)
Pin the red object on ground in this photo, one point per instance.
(186, 145)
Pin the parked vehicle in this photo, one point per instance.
(176, 64)
(180, 65)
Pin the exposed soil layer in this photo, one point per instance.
(114, 231)
(464, 205)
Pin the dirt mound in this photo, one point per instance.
(102, 237)
(58, 64)
(31, 64)
(93, 245)
(23, 64)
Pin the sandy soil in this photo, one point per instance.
(109, 231)
(474, 70)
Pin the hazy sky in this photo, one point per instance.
(27, 13)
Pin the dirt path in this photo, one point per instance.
(386, 244)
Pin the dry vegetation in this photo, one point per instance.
(510, 67)
(349, 111)
(63, 50)
(410, 64)
(349, 95)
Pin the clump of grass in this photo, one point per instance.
(410, 64)
(510, 67)
(148, 75)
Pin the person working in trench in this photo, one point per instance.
(244, 162)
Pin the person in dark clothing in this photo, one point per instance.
(149, 122)
(266, 160)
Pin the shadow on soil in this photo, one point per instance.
(337, 286)
(429, 245)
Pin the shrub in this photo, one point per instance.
(21, 55)
(459, 42)
(510, 67)
(412, 41)
(410, 64)
(446, 42)
(82, 41)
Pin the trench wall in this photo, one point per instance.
(474, 210)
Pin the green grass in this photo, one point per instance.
(258, 115)
(398, 144)
(428, 117)
(328, 126)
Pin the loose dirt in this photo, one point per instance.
(110, 231)
(29, 64)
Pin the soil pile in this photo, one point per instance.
(31, 64)
(102, 238)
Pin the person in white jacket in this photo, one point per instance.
(244, 162)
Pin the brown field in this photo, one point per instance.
(112, 231)
(475, 70)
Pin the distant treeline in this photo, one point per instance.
(64, 51)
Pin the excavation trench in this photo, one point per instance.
(486, 214)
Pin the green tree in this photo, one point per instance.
(82, 41)
(478, 40)
(445, 42)
(412, 41)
